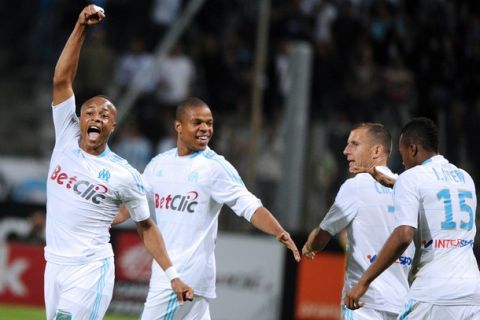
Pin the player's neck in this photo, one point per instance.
(425, 155)
(92, 149)
(380, 161)
(183, 151)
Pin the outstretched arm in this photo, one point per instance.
(153, 241)
(317, 240)
(393, 248)
(264, 220)
(67, 63)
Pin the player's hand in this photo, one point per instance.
(284, 237)
(352, 298)
(307, 249)
(377, 175)
(184, 292)
(91, 15)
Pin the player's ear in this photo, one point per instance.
(114, 126)
(413, 148)
(377, 150)
(178, 126)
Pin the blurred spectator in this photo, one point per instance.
(175, 76)
(216, 70)
(325, 14)
(173, 80)
(129, 63)
(281, 70)
(37, 232)
(398, 87)
(164, 14)
(269, 165)
(363, 84)
(31, 230)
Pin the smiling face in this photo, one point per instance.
(97, 122)
(194, 129)
(360, 151)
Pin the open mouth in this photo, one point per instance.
(93, 132)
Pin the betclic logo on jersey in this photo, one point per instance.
(85, 189)
(182, 203)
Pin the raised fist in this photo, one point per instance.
(91, 14)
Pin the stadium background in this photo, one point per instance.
(371, 60)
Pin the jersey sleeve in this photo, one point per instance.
(65, 121)
(147, 173)
(134, 197)
(228, 188)
(406, 200)
(343, 210)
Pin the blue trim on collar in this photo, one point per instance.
(105, 152)
(427, 161)
(195, 154)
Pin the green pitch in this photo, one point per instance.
(26, 313)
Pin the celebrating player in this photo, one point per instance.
(189, 185)
(436, 202)
(365, 209)
(86, 185)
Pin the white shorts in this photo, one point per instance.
(367, 314)
(427, 311)
(79, 292)
(163, 304)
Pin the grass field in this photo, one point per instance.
(25, 313)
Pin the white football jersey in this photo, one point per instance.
(439, 200)
(84, 193)
(365, 208)
(187, 193)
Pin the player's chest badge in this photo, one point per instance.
(104, 174)
(192, 176)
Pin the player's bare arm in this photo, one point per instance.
(316, 241)
(67, 63)
(393, 248)
(264, 220)
(383, 177)
(153, 241)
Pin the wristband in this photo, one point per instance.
(171, 273)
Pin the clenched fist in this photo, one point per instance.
(91, 15)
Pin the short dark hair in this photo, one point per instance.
(186, 104)
(421, 131)
(101, 96)
(379, 134)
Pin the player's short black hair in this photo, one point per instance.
(421, 131)
(186, 104)
(99, 96)
(379, 134)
